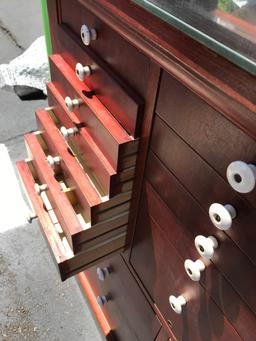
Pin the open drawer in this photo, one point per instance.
(76, 202)
(99, 241)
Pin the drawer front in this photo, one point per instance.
(90, 155)
(207, 131)
(111, 138)
(109, 45)
(161, 269)
(66, 261)
(205, 184)
(121, 100)
(127, 311)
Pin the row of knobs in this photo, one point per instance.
(242, 178)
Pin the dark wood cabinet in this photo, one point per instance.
(131, 159)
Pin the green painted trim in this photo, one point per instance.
(46, 26)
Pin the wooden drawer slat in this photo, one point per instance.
(105, 130)
(68, 263)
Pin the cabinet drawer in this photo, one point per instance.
(161, 269)
(205, 184)
(90, 155)
(212, 135)
(109, 46)
(128, 312)
(67, 262)
(111, 138)
(120, 99)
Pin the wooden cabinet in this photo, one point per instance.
(129, 162)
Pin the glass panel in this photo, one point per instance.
(226, 26)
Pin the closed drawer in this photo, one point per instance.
(209, 132)
(160, 267)
(108, 181)
(205, 184)
(117, 146)
(127, 310)
(121, 100)
(100, 243)
(114, 50)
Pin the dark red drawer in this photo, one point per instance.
(127, 311)
(117, 146)
(161, 269)
(209, 132)
(205, 184)
(109, 182)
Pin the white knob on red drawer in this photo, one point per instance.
(68, 132)
(222, 216)
(102, 300)
(193, 269)
(88, 34)
(177, 303)
(53, 160)
(40, 188)
(241, 176)
(102, 273)
(30, 216)
(206, 246)
(83, 71)
(71, 104)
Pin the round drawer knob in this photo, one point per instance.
(40, 188)
(30, 216)
(102, 273)
(68, 132)
(53, 160)
(83, 71)
(222, 216)
(177, 303)
(241, 176)
(206, 246)
(193, 269)
(71, 104)
(88, 34)
(101, 300)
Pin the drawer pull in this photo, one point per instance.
(68, 132)
(206, 246)
(177, 303)
(241, 176)
(102, 273)
(83, 71)
(40, 188)
(222, 216)
(102, 300)
(71, 104)
(31, 216)
(193, 269)
(88, 34)
(53, 160)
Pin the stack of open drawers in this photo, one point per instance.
(79, 172)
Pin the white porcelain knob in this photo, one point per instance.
(30, 216)
(68, 132)
(102, 273)
(40, 188)
(177, 303)
(88, 34)
(53, 160)
(193, 269)
(83, 71)
(241, 176)
(206, 246)
(102, 300)
(71, 104)
(222, 216)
